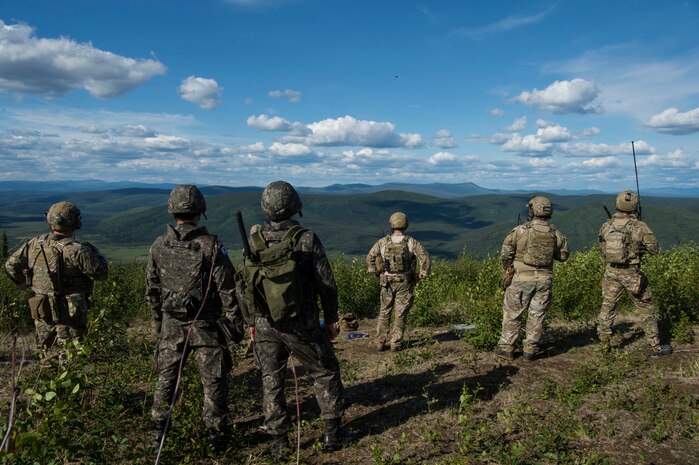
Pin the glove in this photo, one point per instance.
(232, 329)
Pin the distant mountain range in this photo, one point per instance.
(441, 190)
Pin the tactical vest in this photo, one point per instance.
(188, 264)
(272, 282)
(540, 247)
(47, 265)
(397, 257)
(618, 242)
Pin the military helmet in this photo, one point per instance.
(280, 201)
(64, 216)
(398, 220)
(186, 199)
(627, 201)
(540, 206)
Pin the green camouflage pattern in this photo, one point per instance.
(280, 201)
(532, 297)
(629, 277)
(515, 245)
(73, 266)
(186, 199)
(182, 264)
(541, 207)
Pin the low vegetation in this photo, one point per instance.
(445, 399)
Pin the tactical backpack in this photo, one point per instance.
(272, 282)
(540, 246)
(618, 242)
(188, 264)
(46, 270)
(397, 257)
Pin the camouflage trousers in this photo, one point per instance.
(312, 348)
(534, 297)
(49, 333)
(397, 298)
(213, 360)
(632, 279)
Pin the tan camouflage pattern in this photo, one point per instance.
(630, 278)
(530, 290)
(300, 336)
(82, 264)
(397, 289)
(205, 340)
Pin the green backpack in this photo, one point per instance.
(396, 256)
(540, 247)
(271, 279)
(617, 242)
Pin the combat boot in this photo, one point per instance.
(335, 436)
(506, 354)
(529, 356)
(279, 447)
(158, 432)
(659, 351)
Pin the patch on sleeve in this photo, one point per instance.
(223, 251)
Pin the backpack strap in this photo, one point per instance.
(294, 234)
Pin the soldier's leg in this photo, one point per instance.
(45, 334)
(384, 319)
(404, 297)
(271, 357)
(77, 328)
(643, 302)
(539, 305)
(170, 351)
(611, 293)
(213, 369)
(517, 297)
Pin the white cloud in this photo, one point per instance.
(517, 125)
(562, 97)
(444, 139)
(529, 144)
(294, 96)
(290, 150)
(441, 157)
(674, 159)
(347, 130)
(554, 133)
(201, 91)
(53, 67)
(587, 149)
(591, 132)
(603, 162)
(495, 112)
(265, 123)
(672, 121)
(136, 131)
(505, 24)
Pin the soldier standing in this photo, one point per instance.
(60, 270)
(528, 252)
(288, 322)
(393, 259)
(624, 240)
(190, 290)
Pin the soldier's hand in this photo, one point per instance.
(331, 331)
(251, 333)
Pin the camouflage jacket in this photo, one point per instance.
(515, 244)
(416, 249)
(319, 281)
(184, 265)
(642, 238)
(81, 263)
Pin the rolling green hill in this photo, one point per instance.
(131, 218)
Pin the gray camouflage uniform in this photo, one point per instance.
(300, 336)
(175, 285)
(630, 277)
(81, 264)
(530, 290)
(397, 289)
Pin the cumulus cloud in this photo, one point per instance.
(517, 125)
(348, 130)
(290, 150)
(591, 132)
(203, 92)
(554, 133)
(563, 97)
(441, 157)
(529, 144)
(672, 121)
(265, 123)
(674, 159)
(445, 140)
(294, 96)
(495, 112)
(603, 162)
(54, 67)
(135, 131)
(587, 149)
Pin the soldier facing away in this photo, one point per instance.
(624, 240)
(190, 290)
(286, 321)
(528, 251)
(399, 261)
(60, 270)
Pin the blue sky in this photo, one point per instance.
(505, 94)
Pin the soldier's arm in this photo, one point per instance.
(224, 280)
(91, 262)
(648, 241)
(153, 290)
(602, 242)
(509, 249)
(372, 256)
(561, 254)
(325, 282)
(17, 264)
(423, 258)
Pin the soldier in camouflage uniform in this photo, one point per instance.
(300, 336)
(529, 250)
(624, 240)
(399, 261)
(60, 270)
(190, 290)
